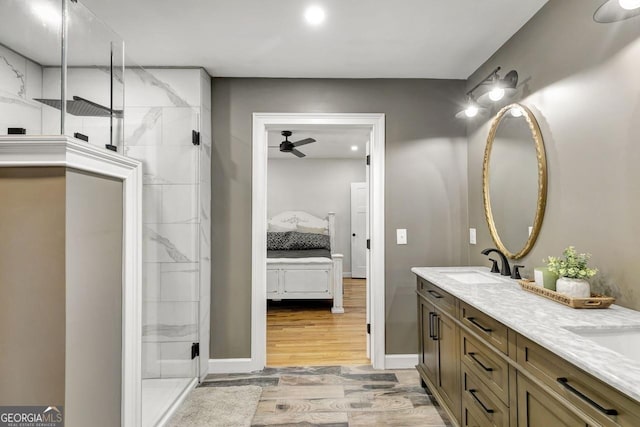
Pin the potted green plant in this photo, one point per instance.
(573, 273)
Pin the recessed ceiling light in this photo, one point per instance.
(314, 15)
(354, 148)
(629, 4)
(48, 14)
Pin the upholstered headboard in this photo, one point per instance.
(305, 222)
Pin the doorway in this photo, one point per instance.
(316, 313)
(262, 124)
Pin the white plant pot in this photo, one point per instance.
(575, 288)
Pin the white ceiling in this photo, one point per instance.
(359, 39)
(331, 142)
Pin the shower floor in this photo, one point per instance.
(158, 395)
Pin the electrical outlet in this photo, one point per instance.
(472, 236)
(401, 236)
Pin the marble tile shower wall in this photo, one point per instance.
(20, 82)
(163, 107)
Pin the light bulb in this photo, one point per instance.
(47, 13)
(354, 148)
(516, 112)
(629, 4)
(314, 15)
(496, 94)
(471, 111)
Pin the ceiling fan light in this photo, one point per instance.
(629, 4)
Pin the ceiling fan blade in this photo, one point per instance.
(303, 142)
(298, 153)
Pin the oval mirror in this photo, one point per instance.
(514, 180)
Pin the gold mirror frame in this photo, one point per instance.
(542, 180)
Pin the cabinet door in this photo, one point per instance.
(428, 345)
(538, 409)
(448, 339)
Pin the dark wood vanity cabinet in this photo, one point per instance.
(486, 375)
(439, 359)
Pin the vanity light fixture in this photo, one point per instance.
(629, 4)
(617, 10)
(314, 15)
(500, 88)
(471, 110)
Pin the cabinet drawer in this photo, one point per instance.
(441, 299)
(492, 370)
(485, 326)
(595, 398)
(483, 406)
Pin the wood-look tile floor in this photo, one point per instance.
(306, 333)
(337, 396)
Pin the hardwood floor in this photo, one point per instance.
(306, 333)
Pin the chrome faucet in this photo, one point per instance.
(505, 270)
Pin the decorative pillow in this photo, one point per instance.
(312, 230)
(301, 241)
(278, 241)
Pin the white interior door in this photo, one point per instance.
(359, 203)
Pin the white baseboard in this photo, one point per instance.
(346, 274)
(231, 366)
(176, 404)
(400, 361)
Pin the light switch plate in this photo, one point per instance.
(401, 236)
(472, 236)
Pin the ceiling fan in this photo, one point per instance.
(287, 146)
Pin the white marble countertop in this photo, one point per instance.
(544, 321)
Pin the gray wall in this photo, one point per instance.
(426, 188)
(581, 80)
(317, 186)
(93, 300)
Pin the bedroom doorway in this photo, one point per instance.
(292, 280)
(316, 315)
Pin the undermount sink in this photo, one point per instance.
(471, 277)
(622, 340)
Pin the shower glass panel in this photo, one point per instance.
(30, 42)
(53, 47)
(161, 114)
(95, 89)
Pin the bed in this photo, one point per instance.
(301, 259)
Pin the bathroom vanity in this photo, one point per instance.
(495, 355)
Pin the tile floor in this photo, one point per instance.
(337, 396)
(158, 394)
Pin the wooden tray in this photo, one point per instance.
(596, 301)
